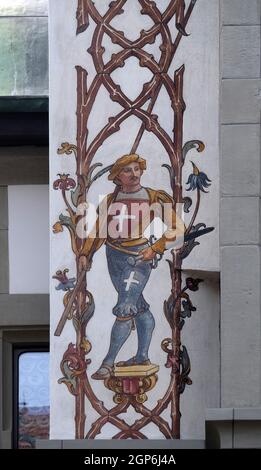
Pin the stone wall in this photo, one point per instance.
(240, 203)
(23, 47)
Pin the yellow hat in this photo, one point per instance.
(123, 161)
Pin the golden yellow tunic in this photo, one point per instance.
(175, 226)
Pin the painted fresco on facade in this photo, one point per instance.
(124, 217)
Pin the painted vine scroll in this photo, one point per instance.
(131, 255)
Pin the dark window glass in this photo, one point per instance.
(33, 398)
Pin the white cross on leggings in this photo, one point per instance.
(130, 281)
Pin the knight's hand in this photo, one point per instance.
(148, 254)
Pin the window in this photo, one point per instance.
(31, 396)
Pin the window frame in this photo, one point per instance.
(18, 350)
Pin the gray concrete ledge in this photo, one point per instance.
(3, 208)
(121, 444)
(4, 265)
(24, 309)
(233, 428)
(24, 165)
(219, 414)
(247, 414)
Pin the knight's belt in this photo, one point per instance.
(124, 245)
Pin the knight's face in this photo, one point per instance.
(130, 174)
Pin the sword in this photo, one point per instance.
(133, 260)
(199, 233)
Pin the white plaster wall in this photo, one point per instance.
(28, 214)
(199, 52)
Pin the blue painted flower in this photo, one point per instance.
(198, 180)
(65, 283)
